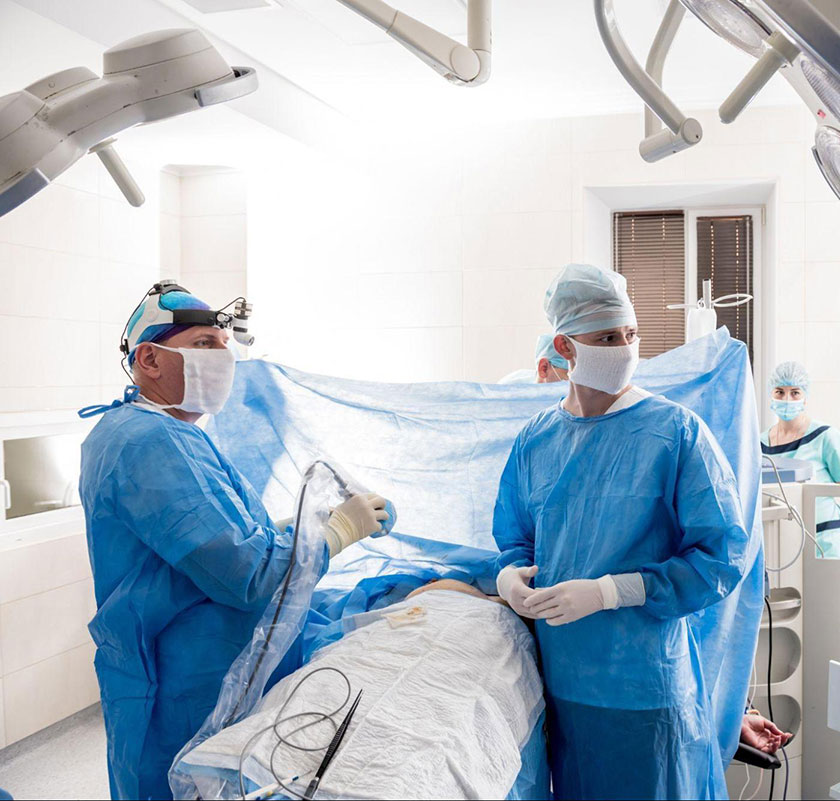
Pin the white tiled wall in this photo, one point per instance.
(74, 261)
(46, 653)
(449, 240)
(213, 234)
(49, 691)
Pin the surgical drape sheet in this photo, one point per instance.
(436, 720)
(437, 450)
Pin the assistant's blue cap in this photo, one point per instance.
(584, 298)
(545, 350)
(141, 327)
(790, 374)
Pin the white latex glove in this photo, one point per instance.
(355, 519)
(571, 600)
(512, 584)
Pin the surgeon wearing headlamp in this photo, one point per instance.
(617, 517)
(184, 554)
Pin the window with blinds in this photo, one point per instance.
(725, 256)
(649, 251)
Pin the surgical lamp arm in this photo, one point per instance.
(655, 64)
(681, 132)
(464, 65)
(779, 53)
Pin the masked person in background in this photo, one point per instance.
(184, 555)
(621, 510)
(797, 436)
(550, 366)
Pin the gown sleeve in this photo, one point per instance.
(176, 496)
(513, 526)
(831, 453)
(711, 551)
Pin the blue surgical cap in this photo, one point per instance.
(583, 298)
(156, 333)
(545, 350)
(790, 374)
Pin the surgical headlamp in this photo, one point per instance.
(52, 123)
(156, 314)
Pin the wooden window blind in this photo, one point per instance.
(725, 256)
(649, 251)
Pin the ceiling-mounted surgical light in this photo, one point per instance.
(826, 152)
(52, 123)
(733, 21)
(799, 39)
(826, 86)
(463, 65)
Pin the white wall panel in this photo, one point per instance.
(413, 300)
(48, 691)
(39, 567)
(44, 625)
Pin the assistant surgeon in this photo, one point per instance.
(185, 557)
(618, 516)
(549, 365)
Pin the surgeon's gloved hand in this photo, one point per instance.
(513, 585)
(572, 600)
(355, 519)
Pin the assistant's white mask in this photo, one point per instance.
(208, 378)
(607, 368)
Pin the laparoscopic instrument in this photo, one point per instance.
(337, 739)
(345, 491)
(284, 738)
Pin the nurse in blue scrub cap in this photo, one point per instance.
(797, 436)
(617, 517)
(185, 556)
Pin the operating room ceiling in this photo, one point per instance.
(548, 59)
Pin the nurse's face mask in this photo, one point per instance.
(787, 403)
(606, 367)
(208, 378)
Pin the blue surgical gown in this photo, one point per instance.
(643, 489)
(185, 559)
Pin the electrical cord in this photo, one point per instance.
(746, 784)
(286, 582)
(307, 476)
(769, 667)
(787, 774)
(753, 686)
(283, 739)
(794, 512)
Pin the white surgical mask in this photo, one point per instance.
(208, 378)
(607, 368)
